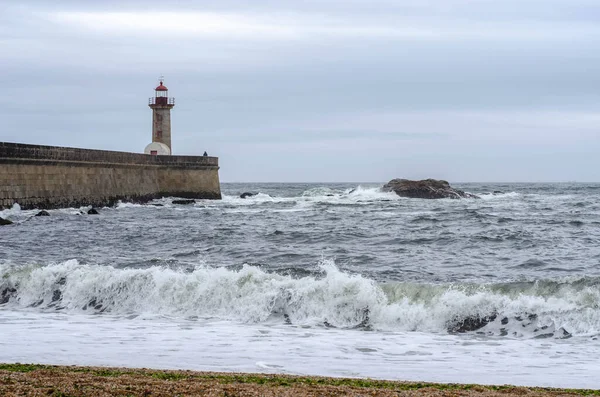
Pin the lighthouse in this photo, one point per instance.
(161, 105)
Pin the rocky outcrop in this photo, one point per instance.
(93, 211)
(43, 213)
(470, 323)
(184, 202)
(425, 189)
(247, 194)
(4, 222)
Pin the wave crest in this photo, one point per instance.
(335, 298)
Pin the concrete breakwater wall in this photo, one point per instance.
(53, 177)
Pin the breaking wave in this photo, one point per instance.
(318, 195)
(332, 298)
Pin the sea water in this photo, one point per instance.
(319, 279)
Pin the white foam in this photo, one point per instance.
(336, 298)
(321, 191)
(500, 196)
(13, 212)
(258, 198)
(214, 345)
(125, 205)
(318, 195)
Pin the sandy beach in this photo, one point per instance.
(46, 380)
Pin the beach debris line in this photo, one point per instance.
(38, 379)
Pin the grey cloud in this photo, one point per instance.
(510, 86)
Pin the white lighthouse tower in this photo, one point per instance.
(161, 105)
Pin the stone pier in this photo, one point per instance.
(54, 177)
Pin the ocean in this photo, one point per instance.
(316, 279)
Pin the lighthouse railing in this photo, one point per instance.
(161, 101)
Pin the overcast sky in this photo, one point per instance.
(323, 91)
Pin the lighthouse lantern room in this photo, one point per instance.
(161, 105)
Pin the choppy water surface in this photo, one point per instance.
(334, 279)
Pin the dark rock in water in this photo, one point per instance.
(365, 324)
(36, 304)
(56, 295)
(6, 294)
(247, 194)
(286, 318)
(532, 316)
(4, 222)
(93, 211)
(471, 323)
(562, 333)
(93, 303)
(330, 195)
(158, 205)
(184, 202)
(42, 213)
(328, 325)
(425, 189)
(498, 192)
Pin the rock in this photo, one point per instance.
(56, 295)
(158, 205)
(425, 189)
(328, 325)
(471, 323)
(6, 294)
(38, 303)
(184, 202)
(4, 222)
(365, 323)
(562, 333)
(93, 211)
(247, 194)
(93, 303)
(42, 213)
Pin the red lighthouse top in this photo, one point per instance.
(161, 87)
(161, 96)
